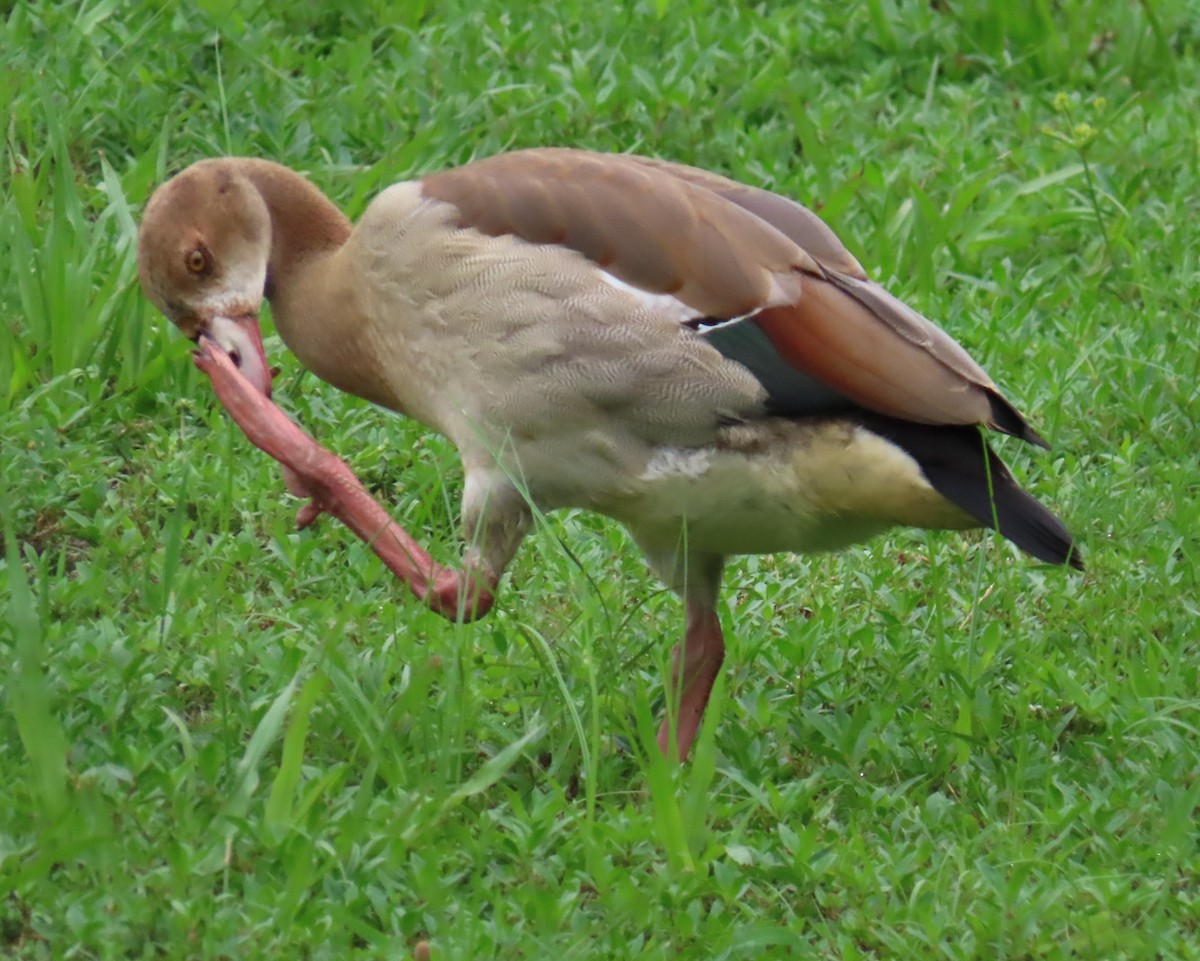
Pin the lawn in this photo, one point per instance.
(221, 738)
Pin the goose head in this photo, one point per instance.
(203, 250)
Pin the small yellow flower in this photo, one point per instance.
(1062, 102)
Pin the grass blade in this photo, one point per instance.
(28, 694)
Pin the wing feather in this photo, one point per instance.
(727, 250)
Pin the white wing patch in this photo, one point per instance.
(671, 306)
(665, 304)
(710, 324)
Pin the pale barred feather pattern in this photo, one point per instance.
(576, 381)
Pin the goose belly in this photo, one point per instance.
(809, 485)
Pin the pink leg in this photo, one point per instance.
(313, 471)
(694, 671)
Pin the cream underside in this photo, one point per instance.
(822, 485)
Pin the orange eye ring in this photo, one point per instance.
(196, 261)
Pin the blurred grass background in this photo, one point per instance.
(221, 738)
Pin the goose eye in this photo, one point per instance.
(197, 261)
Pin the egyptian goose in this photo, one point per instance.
(699, 359)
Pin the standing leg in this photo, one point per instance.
(695, 662)
(694, 669)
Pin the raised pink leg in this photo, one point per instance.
(696, 663)
(313, 471)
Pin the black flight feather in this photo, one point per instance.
(962, 468)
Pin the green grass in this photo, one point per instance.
(220, 738)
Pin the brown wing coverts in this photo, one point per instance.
(652, 231)
(799, 224)
(727, 250)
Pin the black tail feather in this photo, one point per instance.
(962, 468)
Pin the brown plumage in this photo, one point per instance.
(699, 359)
